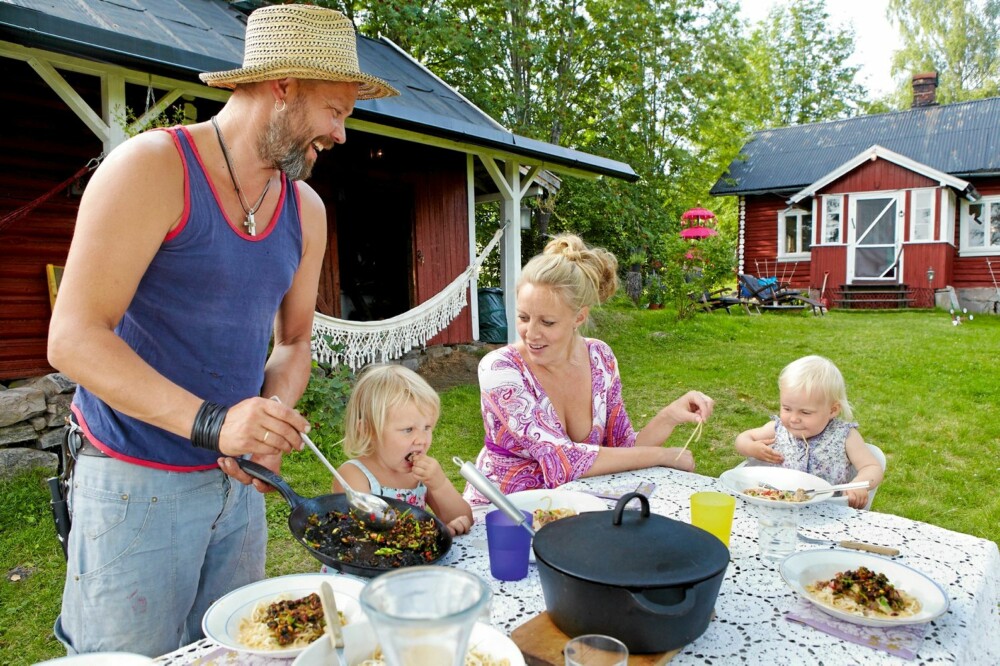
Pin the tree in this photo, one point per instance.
(955, 38)
(798, 64)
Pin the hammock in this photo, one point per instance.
(362, 342)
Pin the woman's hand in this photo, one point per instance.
(691, 407)
(678, 458)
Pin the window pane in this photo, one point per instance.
(995, 224)
(922, 212)
(831, 221)
(791, 227)
(977, 236)
(807, 232)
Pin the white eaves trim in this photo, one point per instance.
(876, 152)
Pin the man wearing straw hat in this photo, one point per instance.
(193, 246)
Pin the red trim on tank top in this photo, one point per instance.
(185, 214)
(111, 453)
(218, 202)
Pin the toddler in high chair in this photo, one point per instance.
(814, 432)
(388, 428)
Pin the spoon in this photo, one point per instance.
(331, 614)
(472, 474)
(854, 485)
(375, 511)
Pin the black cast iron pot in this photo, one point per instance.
(647, 580)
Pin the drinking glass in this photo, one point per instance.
(423, 615)
(777, 531)
(595, 650)
(713, 512)
(509, 545)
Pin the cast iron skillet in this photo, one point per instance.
(303, 507)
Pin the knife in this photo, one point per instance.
(331, 615)
(856, 545)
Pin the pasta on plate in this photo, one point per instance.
(472, 658)
(866, 593)
(284, 623)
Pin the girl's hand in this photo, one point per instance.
(857, 499)
(428, 470)
(761, 449)
(460, 525)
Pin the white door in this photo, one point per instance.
(873, 237)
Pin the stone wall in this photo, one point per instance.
(32, 415)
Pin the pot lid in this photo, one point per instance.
(642, 551)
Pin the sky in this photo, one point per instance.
(876, 37)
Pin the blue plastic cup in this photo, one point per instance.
(509, 546)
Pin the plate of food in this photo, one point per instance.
(549, 505)
(863, 588)
(746, 481)
(240, 620)
(487, 647)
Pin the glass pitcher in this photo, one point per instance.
(423, 615)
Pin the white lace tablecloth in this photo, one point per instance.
(749, 625)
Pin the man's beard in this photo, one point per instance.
(282, 149)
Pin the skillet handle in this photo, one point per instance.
(262, 473)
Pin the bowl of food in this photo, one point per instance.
(279, 617)
(750, 483)
(863, 588)
(547, 506)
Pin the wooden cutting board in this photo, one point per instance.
(541, 642)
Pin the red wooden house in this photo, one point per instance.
(884, 209)
(400, 194)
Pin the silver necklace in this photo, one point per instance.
(248, 221)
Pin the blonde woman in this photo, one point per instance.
(551, 402)
(388, 429)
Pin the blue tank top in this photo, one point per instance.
(202, 316)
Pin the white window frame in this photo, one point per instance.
(827, 225)
(966, 249)
(798, 213)
(915, 209)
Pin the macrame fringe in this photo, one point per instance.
(363, 342)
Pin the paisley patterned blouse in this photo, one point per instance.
(824, 455)
(526, 446)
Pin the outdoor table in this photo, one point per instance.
(749, 624)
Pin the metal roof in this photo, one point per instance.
(182, 38)
(958, 139)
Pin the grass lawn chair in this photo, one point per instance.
(720, 299)
(771, 295)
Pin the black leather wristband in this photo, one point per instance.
(208, 425)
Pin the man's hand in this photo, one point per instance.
(232, 468)
(261, 427)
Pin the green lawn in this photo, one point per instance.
(925, 391)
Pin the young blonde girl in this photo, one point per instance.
(388, 428)
(814, 432)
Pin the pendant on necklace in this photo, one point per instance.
(250, 224)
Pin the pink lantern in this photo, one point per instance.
(697, 233)
(698, 223)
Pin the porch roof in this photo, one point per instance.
(182, 38)
(962, 140)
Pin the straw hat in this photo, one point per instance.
(302, 41)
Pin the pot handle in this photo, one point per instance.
(262, 473)
(620, 507)
(676, 610)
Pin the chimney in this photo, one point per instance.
(925, 89)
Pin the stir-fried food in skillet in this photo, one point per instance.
(343, 537)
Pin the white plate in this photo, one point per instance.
(222, 619)
(484, 639)
(99, 659)
(809, 566)
(529, 500)
(542, 498)
(739, 479)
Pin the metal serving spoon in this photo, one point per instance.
(374, 510)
